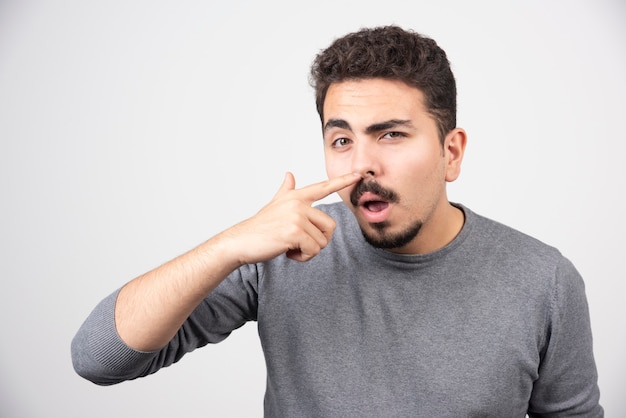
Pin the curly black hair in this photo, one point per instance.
(393, 53)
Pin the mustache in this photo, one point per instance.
(372, 187)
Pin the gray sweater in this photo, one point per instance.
(495, 324)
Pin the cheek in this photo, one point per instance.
(334, 168)
(345, 196)
(414, 177)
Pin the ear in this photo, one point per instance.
(454, 149)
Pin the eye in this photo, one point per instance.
(340, 143)
(394, 135)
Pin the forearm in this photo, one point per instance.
(151, 308)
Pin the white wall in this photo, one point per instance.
(132, 130)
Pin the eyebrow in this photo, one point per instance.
(337, 123)
(389, 124)
(375, 127)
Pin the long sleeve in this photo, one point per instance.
(567, 383)
(100, 355)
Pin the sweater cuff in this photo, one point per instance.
(105, 344)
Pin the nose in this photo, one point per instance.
(365, 160)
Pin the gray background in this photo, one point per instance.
(131, 131)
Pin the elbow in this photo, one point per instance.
(87, 367)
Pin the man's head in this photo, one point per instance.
(386, 98)
(391, 53)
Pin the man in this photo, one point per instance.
(393, 303)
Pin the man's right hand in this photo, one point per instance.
(288, 223)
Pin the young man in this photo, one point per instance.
(393, 303)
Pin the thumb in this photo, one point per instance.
(289, 183)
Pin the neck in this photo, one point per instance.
(436, 232)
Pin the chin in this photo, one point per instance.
(378, 235)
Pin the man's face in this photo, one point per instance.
(380, 128)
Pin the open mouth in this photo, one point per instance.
(373, 202)
(376, 205)
(373, 208)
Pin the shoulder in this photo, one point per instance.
(494, 236)
(514, 256)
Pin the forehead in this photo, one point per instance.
(373, 99)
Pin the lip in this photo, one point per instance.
(369, 197)
(374, 216)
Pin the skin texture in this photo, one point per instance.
(381, 129)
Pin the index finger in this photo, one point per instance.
(318, 191)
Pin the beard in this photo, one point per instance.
(382, 238)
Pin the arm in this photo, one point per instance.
(150, 310)
(567, 383)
